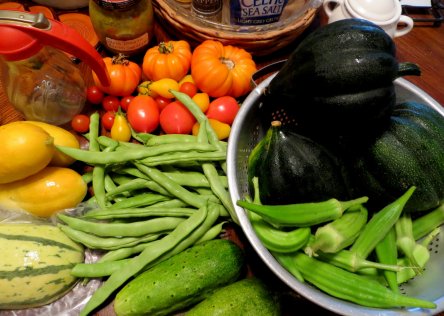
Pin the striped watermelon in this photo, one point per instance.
(35, 265)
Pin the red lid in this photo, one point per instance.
(17, 45)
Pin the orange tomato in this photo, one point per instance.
(222, 70)
(167, 60)
(124, 76)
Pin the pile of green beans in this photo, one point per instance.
(150, 200)
(350, 253)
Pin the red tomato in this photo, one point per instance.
(111, 103)
(125, 101)
(176, 119)
(143, 114)
(162, 102)
(80, 123)
(188, 88)
(107, 119)
(223, 109)
(94, 95)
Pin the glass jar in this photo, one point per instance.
(123, 26)
(45, 87)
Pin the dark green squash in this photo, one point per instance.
(340, 77)
(292, 169)
(409, 151)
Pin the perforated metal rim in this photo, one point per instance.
(236, 156)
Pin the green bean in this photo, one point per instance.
(134, 229)
(135, 185)
(148, 255)
(94, 131)
(123, 253)
(190, 104)
(212, 233)
(92, 241)
(107, 141)
(212, 175)
(98, 182)
(101, 158)
(139, 212)
(98, 269)
(379, 225)
(143, 199)
(172, 187)
(87, 177)
(184, 157)
(352, 287)
(170, 203)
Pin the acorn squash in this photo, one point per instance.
(339, 77)
(408, 152)
(292, 168)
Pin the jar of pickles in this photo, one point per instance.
(123, 26)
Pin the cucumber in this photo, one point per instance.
(242, 298)
(182, 280)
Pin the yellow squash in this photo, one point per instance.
(26, 149)
(61, 137)
(42, 194)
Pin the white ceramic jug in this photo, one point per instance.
(385, 13)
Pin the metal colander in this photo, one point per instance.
(250, 125)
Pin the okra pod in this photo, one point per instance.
(427, 223)
(379, 225)
(405, 241)
(387, 253)
(350, 261)
(302, 214)
(352, 287)
(278, 240)
(340, 233)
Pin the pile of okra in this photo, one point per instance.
(345, 251)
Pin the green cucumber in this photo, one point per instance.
(182, 280)
(242, 298)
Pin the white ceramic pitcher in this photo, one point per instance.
(385, 13)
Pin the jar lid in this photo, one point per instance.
(374, 10)
(17, 45)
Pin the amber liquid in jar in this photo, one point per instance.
(123, 26)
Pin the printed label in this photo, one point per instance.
(116, 4)
(128, 45)
(255, 12)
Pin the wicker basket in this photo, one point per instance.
(258, 40)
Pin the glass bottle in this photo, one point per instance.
(210, 10)
(123, 26)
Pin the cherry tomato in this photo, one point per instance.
(176, 119)
(107, 119)
(162, 102)
(143, 114)
(121, 129)
(80, 123)
(125, 101)
(111, 103)
(188, 88)
(94, 95)
(223, 109)
(202, 100)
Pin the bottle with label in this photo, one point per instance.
(123, 26)
(210, 10)
(251, 12)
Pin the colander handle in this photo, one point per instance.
(266, 71)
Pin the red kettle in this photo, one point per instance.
(40, 80)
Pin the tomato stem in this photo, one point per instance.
(166, 48)
(120, 59)
(227, 62)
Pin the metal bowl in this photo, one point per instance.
(248, 128)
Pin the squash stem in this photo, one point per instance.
(408, 69)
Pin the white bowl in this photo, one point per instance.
(246, 131)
